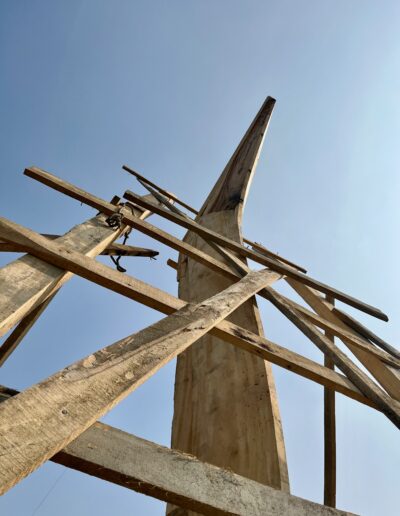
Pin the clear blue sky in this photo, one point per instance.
(169, 87)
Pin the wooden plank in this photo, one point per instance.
(158, 188)
(384, 374)
(361, 380)
(177, 477)
(55, 411)
(65, 258)
(347, 336)
(169, 475)
(218, 238)
(365, 332)
(112, 250)
(329, 432)
(129, 250)
(263, 250)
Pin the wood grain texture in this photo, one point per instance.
(387, 376)
(134, 463)
(39, 422)
(225, 407)
(370, 389)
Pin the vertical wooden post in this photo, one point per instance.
(225, 408)
(329, 433)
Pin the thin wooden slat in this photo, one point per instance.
(365, 332)
(263, 250)
(329, 432)
(383, 373)
(348, 337)
(169, 475)
(210, 235)
(112, 250)
(55, 411)
(158, 188)
(388, 406)
(129, 250)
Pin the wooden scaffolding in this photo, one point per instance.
(228, 453)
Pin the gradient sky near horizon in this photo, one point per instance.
(169, 87)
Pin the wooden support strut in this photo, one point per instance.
(111, 250)
(171, 476)
(355, 374)
(329, 432)
(383, 373)
(71, 400)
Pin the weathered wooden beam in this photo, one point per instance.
(329, 432)
(129, 250)
(159, 189)
(65, 258)
(263, 250)
(347, 336)
(178, 478)
(387, 405)
(111, 250)
(55, 411)
(365, 332)
(280, 267)
(387, 376)
(171, 476)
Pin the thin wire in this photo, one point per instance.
(49, 492)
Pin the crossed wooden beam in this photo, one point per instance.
(73, 399)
